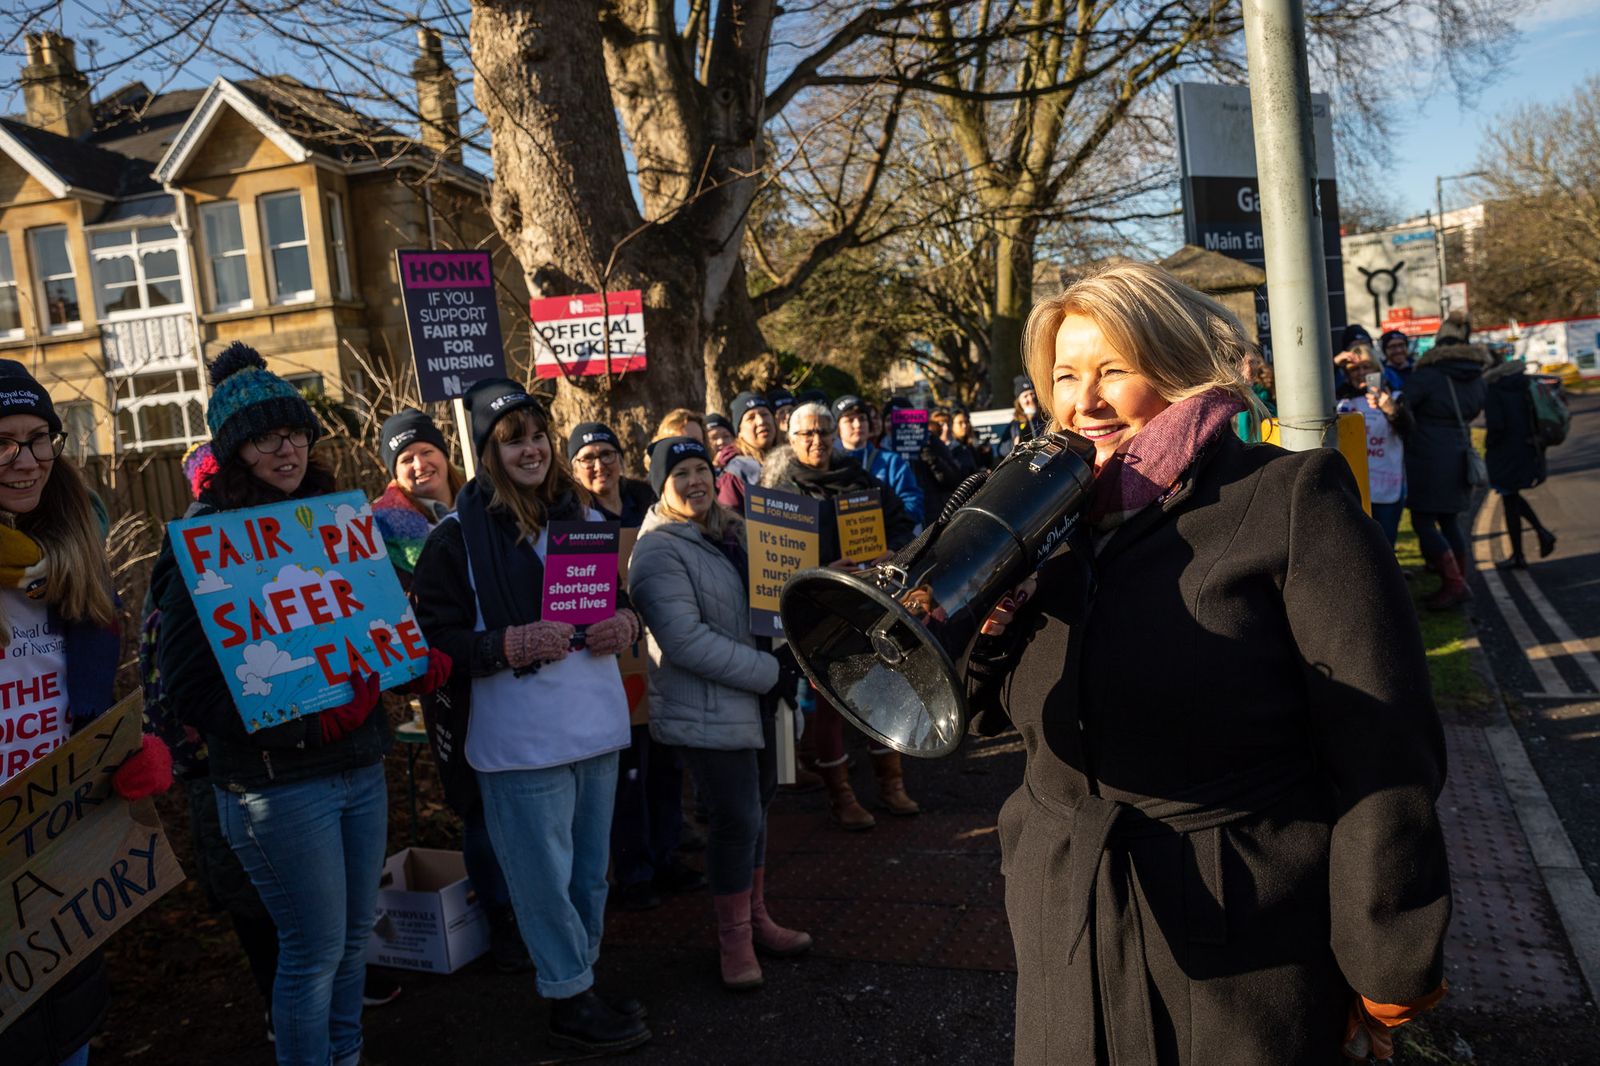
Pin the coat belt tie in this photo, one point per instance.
(1099, 882)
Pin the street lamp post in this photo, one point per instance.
(1438, 199)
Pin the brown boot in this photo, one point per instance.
(842, 798)
(740, 970)
(1464, 564)
(768, 935)
(1452, 586)
(891, 784)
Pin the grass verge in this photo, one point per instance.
(1456, 684)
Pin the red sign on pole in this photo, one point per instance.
(594, 333)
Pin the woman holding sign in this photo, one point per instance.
(58, 657)
(303, 804)
(714, 691)
(548, 710)
(808, 465)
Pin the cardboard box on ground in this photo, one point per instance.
(428, 916)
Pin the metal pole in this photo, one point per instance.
(1438, 237)
(1291, 221)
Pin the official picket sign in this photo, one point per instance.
(77, 862)
(451, 319)
(580, 572)
(783, 534)
(908, 431)
(595, 333)
(294, 598)
(861, 530)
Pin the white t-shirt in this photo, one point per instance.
(33, 686)
(566, 712)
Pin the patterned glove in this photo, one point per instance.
(537, 642)
(612, 636)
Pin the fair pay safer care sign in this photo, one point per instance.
(295, 597)
(595, 333)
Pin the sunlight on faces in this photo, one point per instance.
(423, 471)
(276, 461)
(1096, 391)
(526, 456)
(853, 428)
(597, 467)
(812, 441)
(717, 438)
(758, 428)
(689, 489)
(22, 483)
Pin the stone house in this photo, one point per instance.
(141, 232)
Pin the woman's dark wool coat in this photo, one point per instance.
(1514, 457)
(1232, 698)
(1436, 450)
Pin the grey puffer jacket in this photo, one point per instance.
(706, 674)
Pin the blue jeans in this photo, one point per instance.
(551, 829)
(1438, 533)
(77, 1058)
(1387, 515)
(314, 850)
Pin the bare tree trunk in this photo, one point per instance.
(1013, 299)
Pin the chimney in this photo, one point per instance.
(436, 97)
(54, 90)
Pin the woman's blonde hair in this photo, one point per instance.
(530, 509)
(1182, 341)
(454, 479)
(674, 421)
(70, 535)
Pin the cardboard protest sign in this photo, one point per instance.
(860, 518)
(580, 572)
(294, 597)
(908, 431)
(76, 861)
(634, 663)
(595, 333)
(452, 320)
(783, 535)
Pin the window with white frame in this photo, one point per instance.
(58, 279)
(226, 265)
(78, 420)
(338, 251)
(288, 251)
(10, 301)
(164, 408)
(137, 269)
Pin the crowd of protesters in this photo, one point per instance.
(566, 805)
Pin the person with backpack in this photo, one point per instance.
(56, 586)
(302, 804)
(547, 714)
(1515, 454)
(714, 690)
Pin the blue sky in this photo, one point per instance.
(1559, 47)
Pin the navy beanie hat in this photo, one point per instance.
(812, 396)
(668, 452)
(403, 429)
(591, 433)
(1020, 384)
(490, 400)
(744, 403)
(713, 419)
(247, 399)
(848, 402)
(780, 398)
(21, 394)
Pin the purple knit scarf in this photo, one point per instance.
(1147, 466)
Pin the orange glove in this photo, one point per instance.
(1370, 1029)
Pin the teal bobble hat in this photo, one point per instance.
(247, 399)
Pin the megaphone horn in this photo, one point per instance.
(888, 646)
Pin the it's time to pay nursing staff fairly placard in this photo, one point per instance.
(783, 537)
(295, 597)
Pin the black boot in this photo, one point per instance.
(586, 1022)
(505, 941)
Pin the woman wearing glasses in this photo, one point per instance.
(58, 656)
(303, 804)
(596, 457)
(808, 465)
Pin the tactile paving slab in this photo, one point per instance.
(1506, 945)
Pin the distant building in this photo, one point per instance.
(143, 232)
(1391, 276)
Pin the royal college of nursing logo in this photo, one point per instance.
(500, 401)
(400, 440)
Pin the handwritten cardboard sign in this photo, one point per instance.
(580, 572)
(783, 535)
(451, 319)
(76, 861)
(861, 531)
(294, 597)
(908, 431)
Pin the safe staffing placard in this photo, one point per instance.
(580, 572)
(294, 597)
